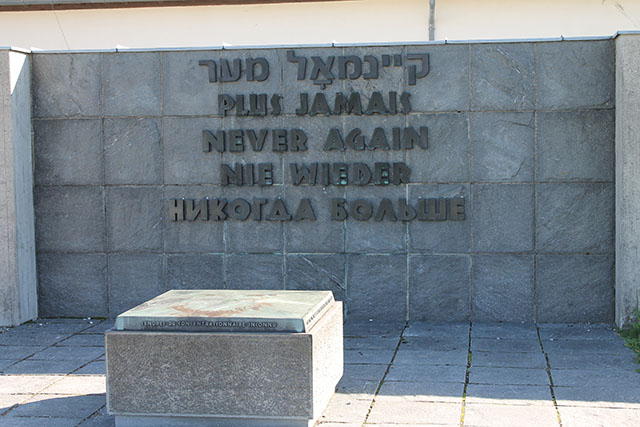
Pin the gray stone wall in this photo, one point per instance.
(524, 132)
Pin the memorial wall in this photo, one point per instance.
(422, 182)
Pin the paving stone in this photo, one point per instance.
(595, 377)
(345, 408)
(454, 343)
(133, 279)
(507, 330)
(47, 405)
(67, 152)
(575, 288)
(84, 340)
(68, 353)
(575, 217)
(76, 385)
(502, 76)
(439, 287)
(576, 74)
(368, 372)
(430, 357)
(503, 217)
(99, 419)
(440, 236)
(371, 343)
(607, 396)
(20, 421)
(102, 327)
(420, 392)
(134, 218)
(589, 347)
(59, 228)
(477, 414)
(505, 345)
(93, 368)
(131, 84)
(578, 332)
(195, 271)
(395, 412)
(513, 376)
(580, 416)
(502, 288)
(575, 145)
(427, 374)
(66, 85)
(25, 384)
(49, 367)
(9, 400)
(368, 356)
(579, 360)
(376, 286)
(357, 387)
(502, 146)
(44, 325)
(260, 271)
(363, 328)
(509, 394)
(4, 364)
(133, 151)
(30, 340)
(17, 352)
(317, 272)
(436, 329)
(509, 360)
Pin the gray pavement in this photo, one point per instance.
(491, 374)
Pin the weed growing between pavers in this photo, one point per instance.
(632, 336)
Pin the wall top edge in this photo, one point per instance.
(15, 49)
(320, 45)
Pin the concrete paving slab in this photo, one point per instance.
(512, 376)
(368, 343)
(99, 419)
(595, 377)
(508, 360)
(74, 385)
(364, 372)
(593, 417)
(45, 367)
(345, 408)
(81, 406)
(623, 396)
(509, 394)
(585, 347)
(18, 352)
(84, 340)
(421, 392)
(9, 400)
(355, 386)
(436, 329)
(92, 368)
(69, 353)
(408, 412)
(49, 327)
(376, 329)
(479, 414)
(424, 373)
(561, 360)
(100, 328)
(505, 345)
(519, 331)
(5, 364)
(36, 339)
(430, 357)
(368, 356)
(13, 421)
(25, 384)
(435, 343)
(578, 332)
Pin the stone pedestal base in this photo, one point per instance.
(218, 378)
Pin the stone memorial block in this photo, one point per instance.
(225, 357)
